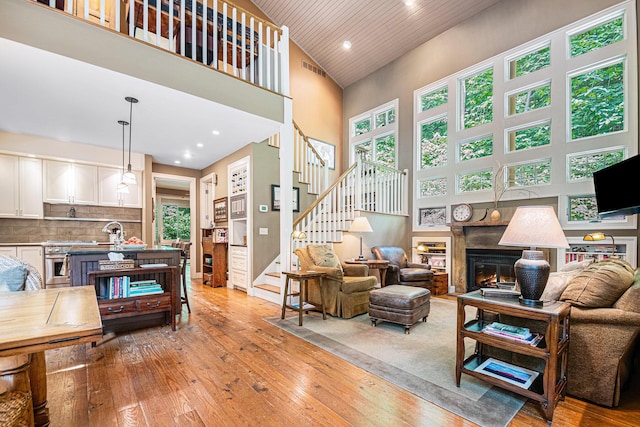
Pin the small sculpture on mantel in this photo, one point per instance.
(499, 187)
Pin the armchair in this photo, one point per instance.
(346, 286)
(401, 271)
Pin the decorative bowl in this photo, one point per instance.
(131, 246)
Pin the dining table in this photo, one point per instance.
(32, 322)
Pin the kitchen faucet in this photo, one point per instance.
(118, 239)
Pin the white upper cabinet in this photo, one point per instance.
(109, 178)
(74, 183)
(21, 189)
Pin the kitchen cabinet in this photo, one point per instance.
(214, 257)
(21, 190)
(66, 182)
(108, 180)
(239, 224)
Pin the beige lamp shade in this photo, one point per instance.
(360, 225)
(535, 227)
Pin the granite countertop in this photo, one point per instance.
(84, 250)
(21, 244)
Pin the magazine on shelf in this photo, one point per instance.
(512, 374)
(509, 330)
(499, 293)
(533, 340)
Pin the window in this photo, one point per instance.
(598, 37)
(433, 143)
(375, 143)
(583, 165)
(530, 99)
(432, 187)
(477, 99)
(597, 101)
(475, 148)
(434, 98)
(549, 112)
(530, 137)
(530, 62)
(529, 174)
(475, 181)
(176, 222)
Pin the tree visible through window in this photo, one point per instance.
(477, 99)
(433, 144)
(176, 222)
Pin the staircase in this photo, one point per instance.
(364, 187)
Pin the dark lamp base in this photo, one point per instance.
(531, 302)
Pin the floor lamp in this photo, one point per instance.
(360, 225)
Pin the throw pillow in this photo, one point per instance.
(12, 279)
(600, 284)
(324, 256)
(630, 300)
(577, 265)
(556, 284)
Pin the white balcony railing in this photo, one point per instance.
(231, 40)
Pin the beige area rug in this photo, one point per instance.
(422, 362)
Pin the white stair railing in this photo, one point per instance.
(233, 41)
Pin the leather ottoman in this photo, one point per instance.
(400, 304)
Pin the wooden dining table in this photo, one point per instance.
(34, 321)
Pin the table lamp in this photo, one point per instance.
(360, 225)
(594, 237)
(536, 227)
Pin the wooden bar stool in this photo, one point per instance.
(186, 248)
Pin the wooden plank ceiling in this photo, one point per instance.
(379, 30)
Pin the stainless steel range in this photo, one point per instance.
(55, 271)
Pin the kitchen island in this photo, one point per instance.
(119, 310)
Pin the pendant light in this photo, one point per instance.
(129, 177)
(122, 186)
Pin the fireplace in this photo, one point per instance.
(486, 267)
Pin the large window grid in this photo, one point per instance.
(373, 135)
(526, 98)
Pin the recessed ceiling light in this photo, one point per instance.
(187, 155)
(200, 145)
(409, 2)
(177, 162)
(215, 132)
(346, 44)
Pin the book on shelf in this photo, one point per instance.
(499, 293)
(508, 330)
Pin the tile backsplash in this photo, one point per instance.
(59, 224)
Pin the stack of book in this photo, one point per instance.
(123, 287)
(514, 333)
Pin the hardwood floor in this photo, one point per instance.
(226, 366)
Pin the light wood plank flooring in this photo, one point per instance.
(226, 366)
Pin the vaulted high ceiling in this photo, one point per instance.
(379, 30)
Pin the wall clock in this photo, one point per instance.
(461, 212)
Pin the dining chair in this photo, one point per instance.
(185, 247)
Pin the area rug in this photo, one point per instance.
(422, 362)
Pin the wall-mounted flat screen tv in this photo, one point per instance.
(616, 189)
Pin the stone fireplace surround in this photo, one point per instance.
(477, 235)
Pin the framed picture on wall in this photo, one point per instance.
(220, 210)
(326, 151)
(275, 198)
(431, 217)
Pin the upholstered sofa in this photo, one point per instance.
(401, 271)
(604, 327)
(346, 286)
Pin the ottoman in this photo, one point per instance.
(399, 304)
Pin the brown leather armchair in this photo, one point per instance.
(346, 286)
(401, 271)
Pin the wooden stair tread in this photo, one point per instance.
(273, 274)
(269, 288)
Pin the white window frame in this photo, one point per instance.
(374, 133)
(559, 73)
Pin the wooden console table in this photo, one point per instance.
(549, 386)
(35, 321)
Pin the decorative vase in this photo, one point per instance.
(495, 215)
(532, 272)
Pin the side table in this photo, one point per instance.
(374, 264)
(303, 276)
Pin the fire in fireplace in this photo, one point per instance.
(486, 267)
